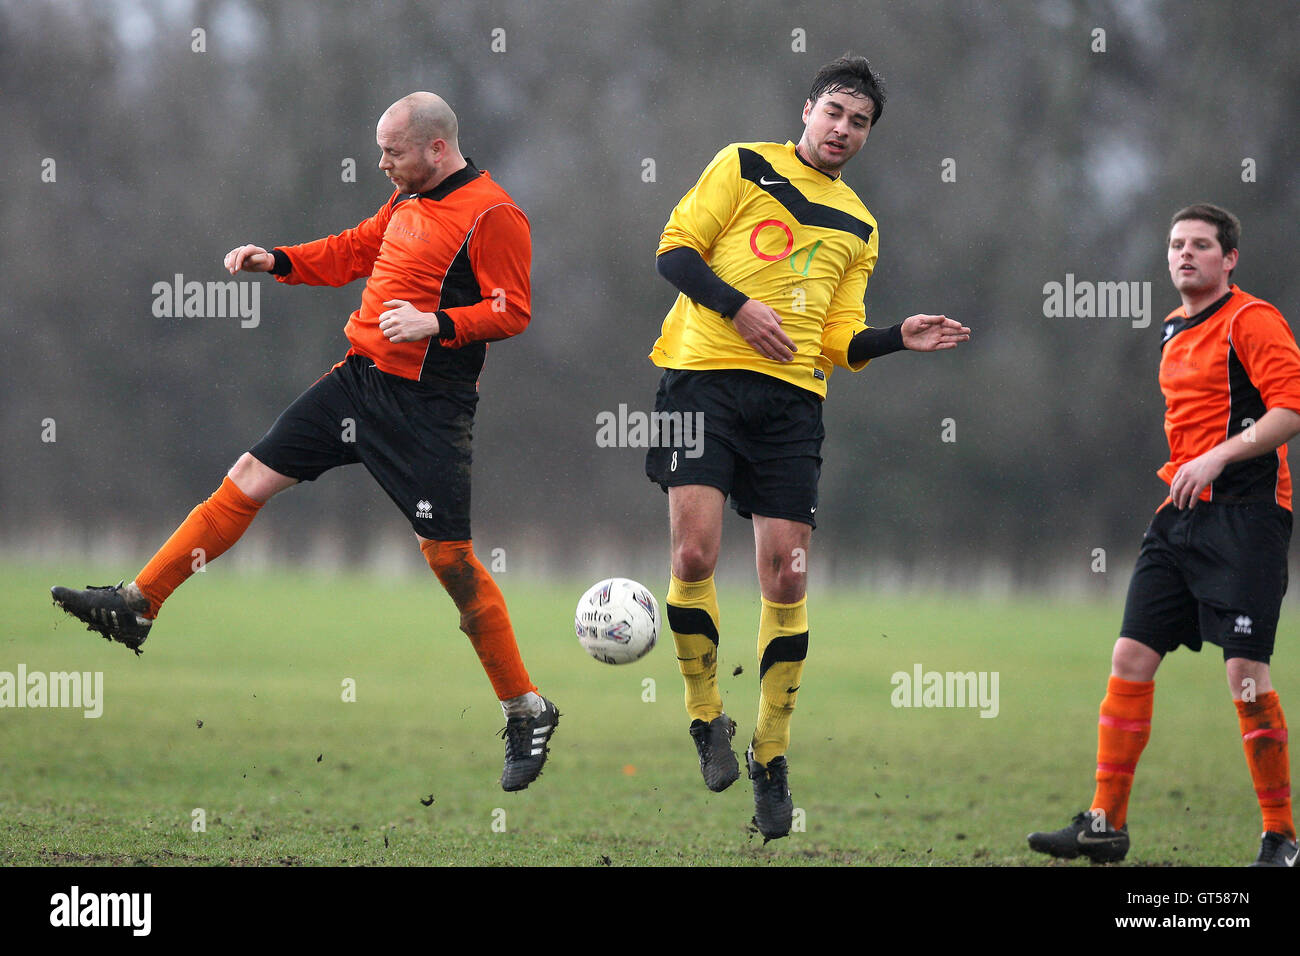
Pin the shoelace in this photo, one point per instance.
(1085, 820)
(776, 776)
(1271, 848)
(705, 745)
(105, 587)
(517, 733)
(704, 741)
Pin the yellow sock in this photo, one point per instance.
(782, 647)
(693, 617)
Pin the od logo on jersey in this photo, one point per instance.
(800, 259)
(423, 509)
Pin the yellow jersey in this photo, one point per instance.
(786, 234)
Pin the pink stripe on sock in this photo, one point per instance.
(1122, 723)
(1127, 768)
(1277, 733)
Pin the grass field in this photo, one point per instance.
(236, 710)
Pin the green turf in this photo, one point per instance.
(286, 772)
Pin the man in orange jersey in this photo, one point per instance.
(1213, 564)
(446, 261)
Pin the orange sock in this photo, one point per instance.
(483, 615)
(211, 528)
(1263, 734)
(1122, 732)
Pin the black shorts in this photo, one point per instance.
(761, 441)
(1216, 572)
(413, 437)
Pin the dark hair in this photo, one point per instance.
(852, 74)
(1227, 226)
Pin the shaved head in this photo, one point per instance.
(417, 142)
(422, 118)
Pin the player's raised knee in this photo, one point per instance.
(257, 480)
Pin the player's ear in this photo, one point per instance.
(807, 108)
(1230, 260)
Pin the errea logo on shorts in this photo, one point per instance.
(423, 509)
(1243, 625)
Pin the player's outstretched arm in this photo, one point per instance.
(919, 333)
(249, 258)
(933, 333)
(1275, 427)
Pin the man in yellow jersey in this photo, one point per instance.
(771, 252)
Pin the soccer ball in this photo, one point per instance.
(617, 621)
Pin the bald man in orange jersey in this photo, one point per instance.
(446, 261)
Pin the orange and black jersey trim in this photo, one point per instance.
(1220, 371)
(462, 250)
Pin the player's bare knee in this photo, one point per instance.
(693, 562)
(1247, 679)
(256, 480)
(788, 582)
(244, 473)
(1133, 660)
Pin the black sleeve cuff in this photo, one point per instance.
(446, 327)
(873, 343)
(686, 269)
(282, 265)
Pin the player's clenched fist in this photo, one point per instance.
(403, 322)
(250, 258)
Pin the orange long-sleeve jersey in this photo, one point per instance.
(1220, 371)
(462, 250)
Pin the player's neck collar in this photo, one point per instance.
(1179, 324)
(1213, 307)
(798, 154)
(453, 182)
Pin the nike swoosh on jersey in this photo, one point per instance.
(755, 168)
